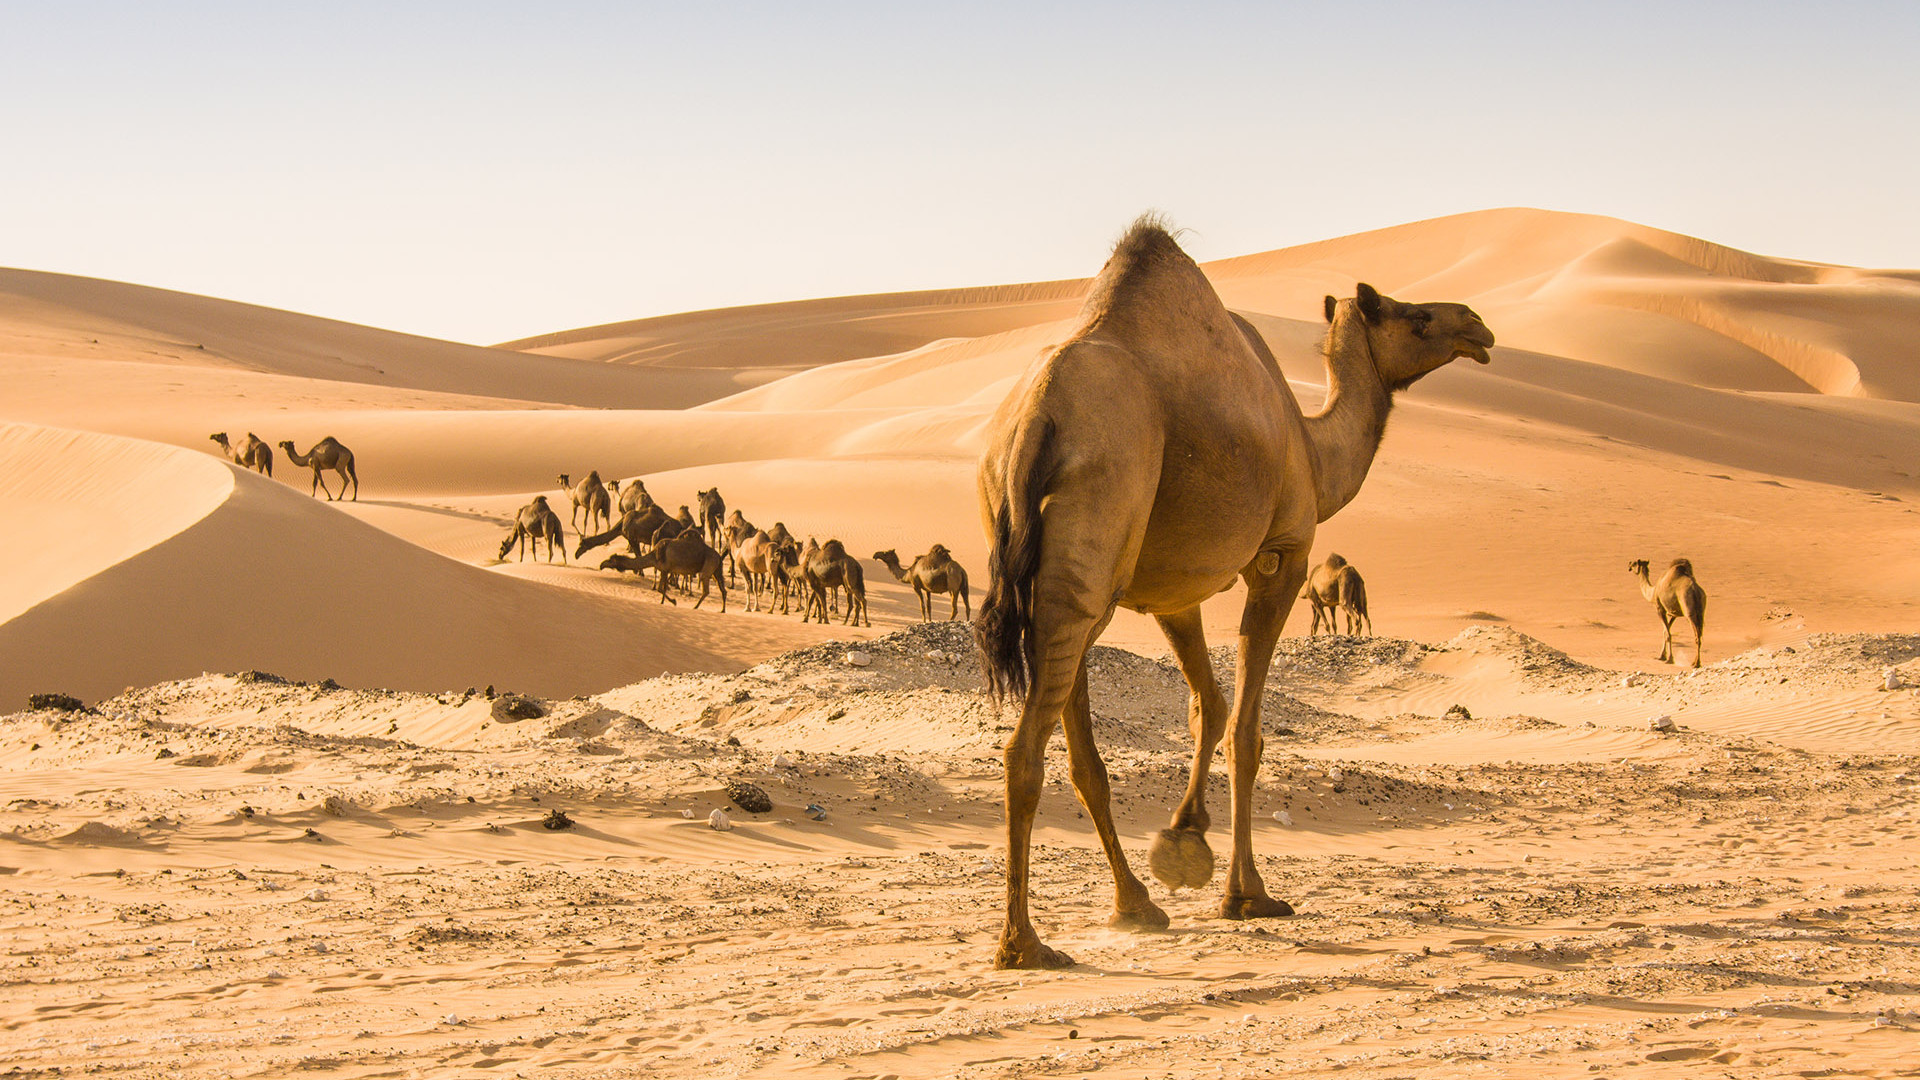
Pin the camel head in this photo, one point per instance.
(507, 544)
(1637, 567)
(1405, 340)
(889, 557)
(565, 482)
(284, 444)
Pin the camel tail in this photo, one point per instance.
(1004, 628)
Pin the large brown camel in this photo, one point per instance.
(934, 572)
(590, 495)
(1674, 595)
(252, 453)
(754, 555)
(640, 529)
(1333, 587)
(713, 515)
(1145, 463)
(535, 521)
(328, 453)
(686, 555)
(831, 567)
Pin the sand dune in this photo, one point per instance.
(253, 575)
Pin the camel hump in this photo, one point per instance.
(1683, 566)
(833, 548)
(1334, 561)
(938, 554)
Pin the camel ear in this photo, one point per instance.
(1369, 300)
(1331, 304)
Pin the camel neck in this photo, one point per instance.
(1345, 434)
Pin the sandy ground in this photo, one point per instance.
(230, 874)
(245, 877)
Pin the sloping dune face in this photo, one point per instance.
(198, 566)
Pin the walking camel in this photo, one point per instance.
(686, 555)
(1333, 587)
(535, 521)
(713, 515)
(1146, 462)
(253, 453)
(934, 572)
(591, 495)
(1674, 595)
(831, 567)
(328, 453)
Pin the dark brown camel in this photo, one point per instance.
(328, 453)
(589, 495)
(534, 521)
(831, 568)
(685, 556)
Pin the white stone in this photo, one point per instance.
(936, 654)
(859, 659)
(1663, 722)
(1283, 817)
(688, 814)
(1630, 680)
(316, 894)
(451, 1018)
(718, 821)
(1893, 679)
(782, 761)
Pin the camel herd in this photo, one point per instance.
(327, 454)
(718, 548)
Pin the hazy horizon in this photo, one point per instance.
(486, 173)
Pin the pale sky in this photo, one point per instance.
(485, 171)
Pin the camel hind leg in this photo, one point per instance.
(1269, 597)
(1133, 908)
(1693, 603)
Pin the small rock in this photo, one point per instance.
(315, 895)
(1283, 817)
(328, 684)
(55, 703)
(1663, 722)
(1892, 677)
(508, 708)
(164, 753)
(856, 658)
(748, 797)
(259, 677)
(452, 1019)
(936, 655)
(1457, 712)
(1630, 680)
(782, 761)
(556, 820)
(816, 811)
(688, 814)
(718, 821)
(335, 805)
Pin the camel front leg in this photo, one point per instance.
(1666, 647)
(1180, 857)
(1268, 600)
(1133, 908)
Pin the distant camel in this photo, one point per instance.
(785, 565)
(534, 521)
(1674, 595)
(328, 453)
(253, 453)
(640, 528)
(738, 530)
(754, 555)
(1332, 587)
(713, 514)
(1145, 462)
(591, 495)
(832, 567)
(632, 497)
(687, 555)
(934, 572)
(685, 518)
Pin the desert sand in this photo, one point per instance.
(292, 794)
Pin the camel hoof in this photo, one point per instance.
(1254, 907)
(1147, 917)
(1181, 859)
(1032, 957)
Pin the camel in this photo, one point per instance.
(832, 567)
(713, 514)
(754, 554)
(253, 453)
(738, 531)
(686, 555)
(934, 572)
(590, 494)
(1332, 587)
(1146, 462)
(1674, 595)
(328, 453)
(632, 497)
(785, 565)
(534, 521)
(640, 528)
